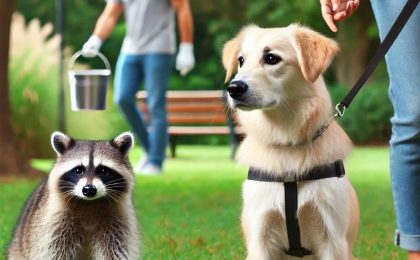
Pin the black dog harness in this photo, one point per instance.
(335, 169)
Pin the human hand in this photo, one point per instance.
(337, 10)
(185, 59)
(92, 46)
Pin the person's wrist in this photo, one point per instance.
(96, 41)
(186, 47)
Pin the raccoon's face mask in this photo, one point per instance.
(92, 170)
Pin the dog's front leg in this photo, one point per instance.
(333, 250)
(333, 244)
(252, 226)
(263, 235)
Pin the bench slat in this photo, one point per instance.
(195, 108)
(194, 99)
(197, 118)
(194, 130)
(190, 108)
(179, 94)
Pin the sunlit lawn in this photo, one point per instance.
(192, 211)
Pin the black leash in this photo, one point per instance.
(335, 169)
(393, 33)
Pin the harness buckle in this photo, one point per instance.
(339, 166)
(340, 109)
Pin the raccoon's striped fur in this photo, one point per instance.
(84, 208)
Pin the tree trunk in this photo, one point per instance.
(355, 44)
(11, 160)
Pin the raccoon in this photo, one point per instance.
(84, 208)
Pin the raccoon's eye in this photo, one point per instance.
(102, 170)
(241, 61)
(271, 59)
(78, 170)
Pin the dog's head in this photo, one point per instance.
(270, 66)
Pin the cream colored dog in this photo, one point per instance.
(282, 103)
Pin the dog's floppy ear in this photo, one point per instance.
(315, 52)
(230, 56)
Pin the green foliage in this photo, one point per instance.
(367, 119)
(215, 22)
(193, 210)
(33, 77)
(79, 19)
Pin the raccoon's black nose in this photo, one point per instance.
(89, 190)
(237, 88)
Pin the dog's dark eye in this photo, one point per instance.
(241, 61)
(271, 59)
(102, 170)
(78, 170)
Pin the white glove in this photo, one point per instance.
(185, 59)
(92, 46)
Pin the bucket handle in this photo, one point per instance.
(79, 53)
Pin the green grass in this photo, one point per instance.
(192, 211)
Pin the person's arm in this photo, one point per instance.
(185, 20)
(337, 10)
(108, 19)
(185, 59)
(103, 28)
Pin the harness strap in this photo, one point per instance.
(292, 223)
(335, 169)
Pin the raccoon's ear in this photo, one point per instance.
(315, 52)
(123, 142)
(60, 142)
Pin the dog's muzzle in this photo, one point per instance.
(237, 88)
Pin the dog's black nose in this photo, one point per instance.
(89, 190)
(237, 88)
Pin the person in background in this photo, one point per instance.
(146, 56)
(403, 65)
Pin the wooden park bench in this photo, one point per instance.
(195, 112)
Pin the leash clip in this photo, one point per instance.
(340, 109)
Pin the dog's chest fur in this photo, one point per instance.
(321, 204)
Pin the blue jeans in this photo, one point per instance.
(403, 64)
(154, 70)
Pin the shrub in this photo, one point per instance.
(33, 84)
(367, 119)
